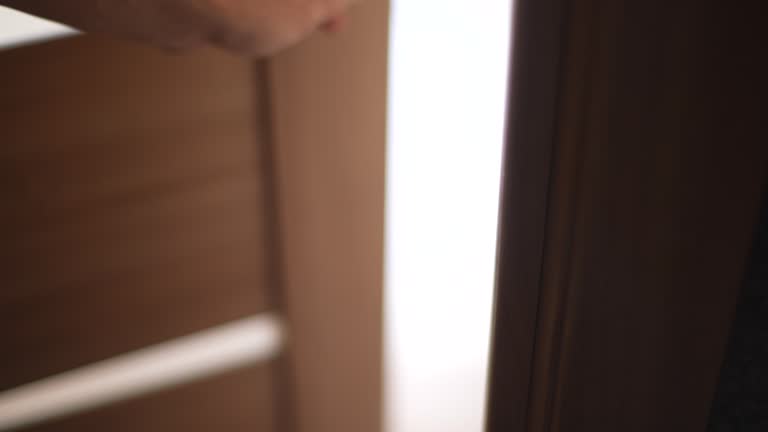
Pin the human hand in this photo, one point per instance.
(252, 27)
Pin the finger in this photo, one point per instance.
(334, 25)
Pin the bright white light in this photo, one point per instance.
(448, 73)
(17, 28)
(218, 349)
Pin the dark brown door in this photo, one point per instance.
(635, 161)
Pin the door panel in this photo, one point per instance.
(132, 209)
(328, 109)
(150, 196)
(652, 169)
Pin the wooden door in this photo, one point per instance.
(635, 163)
(150, 196)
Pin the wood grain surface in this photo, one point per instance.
(132, 201)
(658, 160)
(328, 100)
